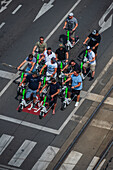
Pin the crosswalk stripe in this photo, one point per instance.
(93, 163)
(5, 141)
(46, 158)
(22, 153)
(71, 160)
(7, 75)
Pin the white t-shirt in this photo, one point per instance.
(91, 55)
(48, 57)
(51, 67)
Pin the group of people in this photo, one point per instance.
(55, 63)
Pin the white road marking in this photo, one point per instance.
(6, 2)
(29, 125)
(46, 158)
(101, 164)
(71, 160)
(2, 24)
(8, 167)
(6, 74)
(62, 20)
(14, 12)
(93, 163)
(4, 142)
(44, 9)
(22, 153)
(106, 24)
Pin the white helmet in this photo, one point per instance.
(71, 14)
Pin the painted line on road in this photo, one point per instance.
(2, 24)
(4, 142)
(50, 130)
(14, 12)
(8, 167)
(62, 20)
(22, 153)
(71, 160)
(6, 74)
(93, 163)
(46, 158)
(29, 125)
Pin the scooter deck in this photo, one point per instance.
(36, 110)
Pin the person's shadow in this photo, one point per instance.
(63, 39)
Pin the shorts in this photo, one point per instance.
(77, 92)
(52, 101)
(92, 66)
(72, 34)
(28, 69)
(29, 92)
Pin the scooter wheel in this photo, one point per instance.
(41, 115)
(20, 108)
(62, 106)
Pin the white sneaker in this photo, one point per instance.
(76, 104)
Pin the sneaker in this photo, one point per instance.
(91, 78)
(76, 104)
(53, 112)
(68, 101)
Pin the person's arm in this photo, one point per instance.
(75, 27)
(41, 58)
(65, 67)
(67, 80)
(21, 64)
(86, 40)
(34, 49)
(42, 69)
(58, 91)
(54, 72)
(95, 46)
(78, 85)
(43, 87)
(65, 25)
(31, 67)
(39, 86)
(67, 56)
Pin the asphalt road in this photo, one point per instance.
(17, 38)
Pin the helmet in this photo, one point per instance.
(71, 14)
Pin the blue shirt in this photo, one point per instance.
(75, 81)
(30, 61)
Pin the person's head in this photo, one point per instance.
(70, 15)
(72, 62)
(41, 39)
(76, 72)
(53, 60)
(49, 50)
(34, 74)
(61, 46)
(30, 57)
(53, 81)
(88, 48)
(95, 32)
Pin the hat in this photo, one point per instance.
(53, 59)
(71, 14)
(61, 45)
(88, 47)
(94, 32)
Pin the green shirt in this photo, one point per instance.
(41, 47)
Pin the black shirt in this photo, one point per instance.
(61, 54)
(76, 67)
(94, 39)
(33, 82)
(54, 88)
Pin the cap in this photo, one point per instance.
(94, 32)
(53, 59)
(61, 45)
(70, 14)
(88, 47)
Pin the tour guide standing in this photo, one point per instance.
(76, 85)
